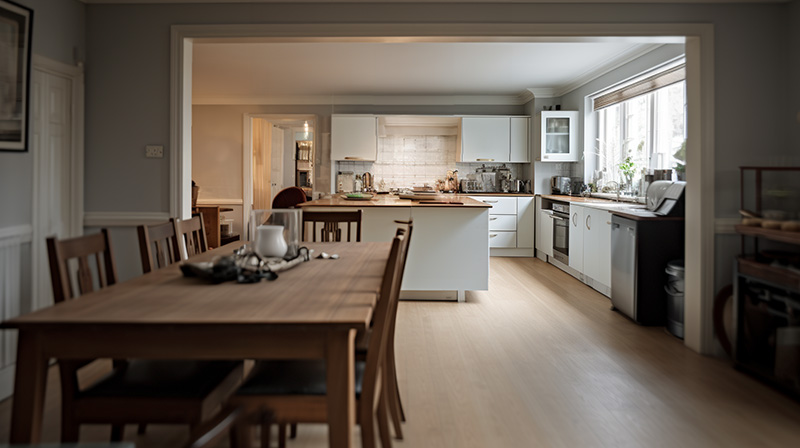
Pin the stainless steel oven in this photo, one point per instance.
(561, 232)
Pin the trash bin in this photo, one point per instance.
(675, 288)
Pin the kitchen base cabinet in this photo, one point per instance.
(576, 239)
(511, 225)
(544, 232)
(597, 249)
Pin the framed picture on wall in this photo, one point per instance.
(15, 70)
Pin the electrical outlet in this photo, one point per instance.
(154, 151)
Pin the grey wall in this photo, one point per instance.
(757, 55)
(58, 31)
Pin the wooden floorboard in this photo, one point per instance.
(540, 360)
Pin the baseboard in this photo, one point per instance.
(509, 252)
(450, 296)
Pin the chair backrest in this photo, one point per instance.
(330, 229)
(382, 316)
(158, 245)
(192, 235)
(289, 197)
(60, 252)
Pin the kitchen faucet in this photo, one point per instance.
(616, 185)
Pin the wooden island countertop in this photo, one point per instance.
(387, 200)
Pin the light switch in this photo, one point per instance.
(154, 151)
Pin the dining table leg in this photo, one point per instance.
(340, 366)
(29, 389)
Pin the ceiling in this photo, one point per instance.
(358, 72)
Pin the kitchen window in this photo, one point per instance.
(641, 128)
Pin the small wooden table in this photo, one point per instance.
(311, 311)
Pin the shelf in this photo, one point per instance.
(778, 276)
(782, 236)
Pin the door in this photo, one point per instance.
(576, 237)
(485, 139)
(262, 164)
(544, 237)
(623, 265)
(54, 210)
(276, 161)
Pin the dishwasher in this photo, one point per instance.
(640, 250)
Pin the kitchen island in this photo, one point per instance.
(449, 252)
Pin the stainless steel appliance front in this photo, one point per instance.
(561, 232)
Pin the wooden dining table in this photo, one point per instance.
(311, 311)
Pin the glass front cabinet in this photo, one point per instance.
(557, 136)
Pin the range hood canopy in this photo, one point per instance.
(418, 125)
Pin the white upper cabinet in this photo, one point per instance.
(519, 139)
(485, 139)
(354, 137)
(557, 136)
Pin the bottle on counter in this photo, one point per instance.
(358, 184)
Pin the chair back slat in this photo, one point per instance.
(60, 253)
(158, 245)
(192, 235)
(331, 221)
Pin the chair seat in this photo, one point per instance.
(293, 377)
(183, 379)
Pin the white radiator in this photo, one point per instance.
(12, 240)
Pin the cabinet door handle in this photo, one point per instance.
(493, 218)
(589, 222)
(575, 219)
(492, 235)
(489, 202)
(608, 222)
(354, 158)
(485, 160)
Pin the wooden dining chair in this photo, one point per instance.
(331, 225)
(158, 245)
(192, 235)
(289, 197)
(392, 388)
(135, 391)
(294, 390)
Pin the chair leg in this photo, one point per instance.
(383, 424)
(367, 421)
(281, 435)
(141, 429)
(70, 432)
(242, 435)
(117, 433)
(396, 404)
(392, 399)
(293, 431)
(266, 433)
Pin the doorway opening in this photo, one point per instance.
(698, 39)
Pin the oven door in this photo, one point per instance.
(561, 237)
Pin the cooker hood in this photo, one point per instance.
(418, 125)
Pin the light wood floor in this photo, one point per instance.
(540, 361)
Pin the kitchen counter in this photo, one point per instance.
(387, 200)
(630, 210)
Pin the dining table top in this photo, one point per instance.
(332, 293)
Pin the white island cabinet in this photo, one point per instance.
(449, 252)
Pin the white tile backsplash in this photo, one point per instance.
(409, 161)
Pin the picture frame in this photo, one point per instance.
(16, 23)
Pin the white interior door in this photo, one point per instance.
(276, 168)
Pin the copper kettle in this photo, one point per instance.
(367, 179)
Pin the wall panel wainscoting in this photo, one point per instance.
(14, 242)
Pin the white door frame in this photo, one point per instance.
(247, 154)
(699, 41)
(41, 280)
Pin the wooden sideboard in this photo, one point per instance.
(211, 221)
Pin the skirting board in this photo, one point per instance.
(449, 296)
(509, 252)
